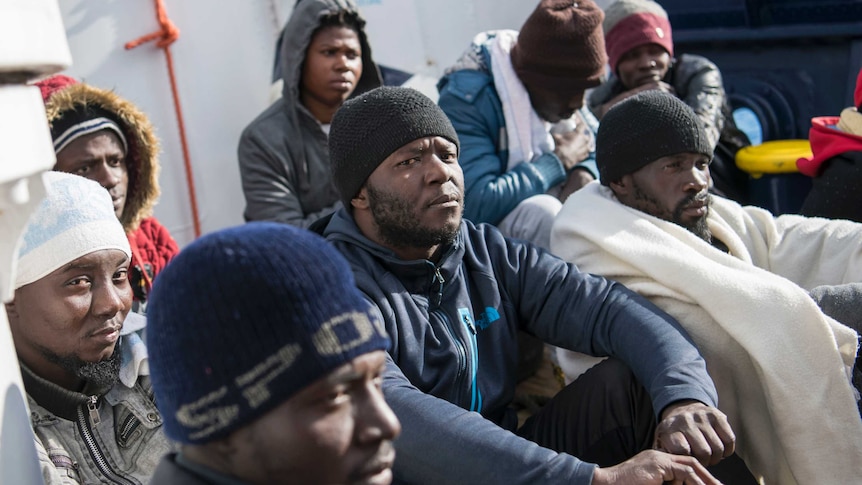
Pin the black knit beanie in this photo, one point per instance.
(244, 318)
(369, 127)
(643, 128)
(561, 46)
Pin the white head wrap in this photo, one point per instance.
(76, 218)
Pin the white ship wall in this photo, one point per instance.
(223, 62)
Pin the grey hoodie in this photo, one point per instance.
(283, 154)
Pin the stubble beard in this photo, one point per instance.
(399, 227)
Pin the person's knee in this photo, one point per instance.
(531, 220)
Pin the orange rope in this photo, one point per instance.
(166, 36)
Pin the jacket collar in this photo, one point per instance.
(417, 276)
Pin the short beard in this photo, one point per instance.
(699, 227)
(101, 375)
(399, 227)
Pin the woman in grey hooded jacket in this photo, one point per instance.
(283, 155)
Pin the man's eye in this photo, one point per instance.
(79, 282)
(409, 161)
(121, 274)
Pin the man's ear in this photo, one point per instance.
(11, 309)
(361, 199)
(623, 186)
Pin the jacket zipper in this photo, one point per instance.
(84, 427)
(459, 345)
(476, 395)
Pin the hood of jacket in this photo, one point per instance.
(142, 160)
(296, 36)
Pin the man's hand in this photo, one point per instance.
(695, 429)
(655, 468)
(575, 181)
(574, 147)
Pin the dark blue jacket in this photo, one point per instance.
(470, 100)
(454, 330)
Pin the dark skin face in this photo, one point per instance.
(76, 311)
(642, 65)
(553, 106)
(331, 70)
(339, 429)
(413, 202)
(672, 188)
(99, 156)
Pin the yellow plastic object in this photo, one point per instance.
(777, 156)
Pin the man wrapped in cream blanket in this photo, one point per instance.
(781, 366)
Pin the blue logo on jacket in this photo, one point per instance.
(489, 316)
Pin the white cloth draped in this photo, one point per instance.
(780, 365)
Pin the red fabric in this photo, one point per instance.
(52, 84)
(826, 142)
(634, 31)
(154, 245)
(857, 95)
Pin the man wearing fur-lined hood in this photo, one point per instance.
(103, 137)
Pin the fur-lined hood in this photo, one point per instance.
(142, 158)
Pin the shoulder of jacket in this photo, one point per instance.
(466, 84)
(688, 64)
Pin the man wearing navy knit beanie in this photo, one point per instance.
(454, 295)
(266, 363)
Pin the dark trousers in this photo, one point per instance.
(606, 417)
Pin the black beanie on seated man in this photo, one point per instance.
(370, 127)
(643, 128)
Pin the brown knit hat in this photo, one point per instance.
(561, 47)
(632, 23)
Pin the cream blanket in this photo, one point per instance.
(779, 364)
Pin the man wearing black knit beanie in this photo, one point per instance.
(742, 282)
(453, 297)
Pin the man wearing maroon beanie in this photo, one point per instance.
(639, 42)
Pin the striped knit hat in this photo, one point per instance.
(632, 23)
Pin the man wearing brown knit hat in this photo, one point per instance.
(515, 99)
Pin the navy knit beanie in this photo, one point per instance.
(368, 128)
(244, 318)
(643, 128)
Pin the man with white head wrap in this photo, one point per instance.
(87, 383)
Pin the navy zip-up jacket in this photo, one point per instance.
(450, 372)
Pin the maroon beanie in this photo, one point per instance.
(560, 46)
(633, 23)
(51, 85)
